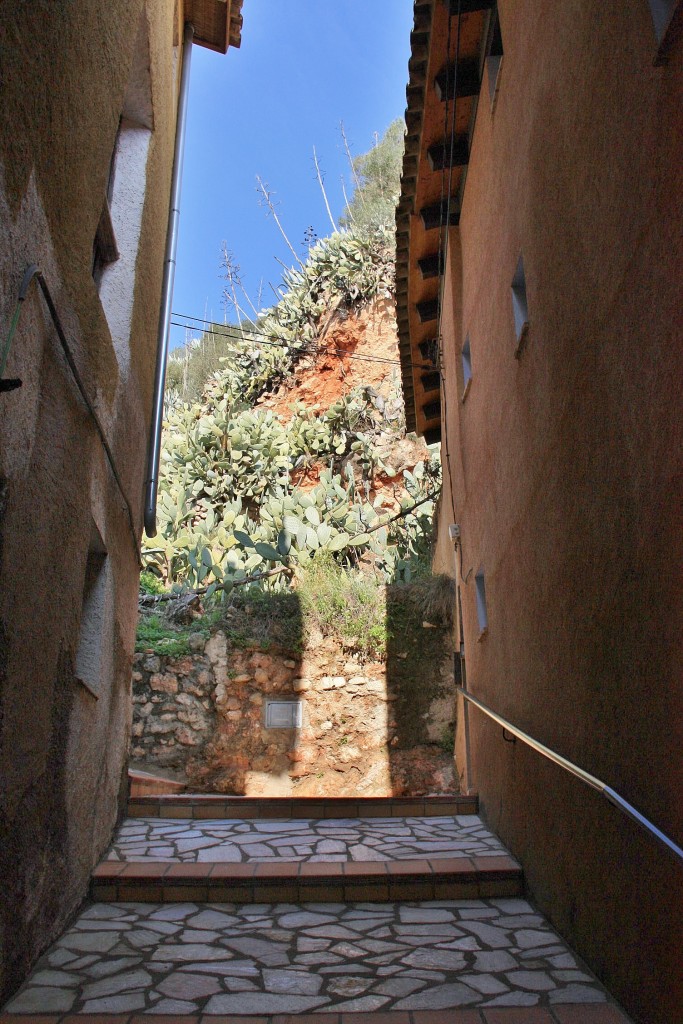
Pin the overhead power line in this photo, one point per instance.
(261, 338)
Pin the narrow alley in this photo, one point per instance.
(341, 592)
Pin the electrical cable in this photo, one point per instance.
(235, 333)
(281, 344)
(465, 579)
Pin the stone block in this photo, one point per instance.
(164, 681)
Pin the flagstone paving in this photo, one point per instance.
(286, 958)
(333, 840)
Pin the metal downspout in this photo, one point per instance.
(154, 450)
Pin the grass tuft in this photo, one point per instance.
(346, 604)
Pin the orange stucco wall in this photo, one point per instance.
(567, 475)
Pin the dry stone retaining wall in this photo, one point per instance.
(205, 715)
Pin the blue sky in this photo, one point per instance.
(304, 66)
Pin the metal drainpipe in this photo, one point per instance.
(154, 450)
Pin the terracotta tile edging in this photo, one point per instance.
(418, 867)
(207, 805)
(240, 871)
(561, 1013)
(456, 877)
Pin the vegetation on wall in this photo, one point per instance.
(236, 502)
(230, 504)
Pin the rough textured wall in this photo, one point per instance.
(63, 745)
(205, 715)
(567, 474)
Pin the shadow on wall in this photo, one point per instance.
(337, 690)
(421, 698)
(221, 711)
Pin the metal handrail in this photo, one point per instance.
(34, 272)
(591, 780)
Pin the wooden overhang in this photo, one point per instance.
(435, 157)
(217, 23)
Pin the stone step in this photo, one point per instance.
(285, 881)
(494, 961)
(194, 805)
(317, 839)
(570, 1013)
(330, 859)
(145, 784)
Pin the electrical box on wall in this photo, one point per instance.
(284, 714)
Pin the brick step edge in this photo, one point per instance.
(210, 805)
(566, 1013)
(302, 882)
(144, 784)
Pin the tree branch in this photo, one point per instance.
(152, 599)
(263, 189)
(322, 189)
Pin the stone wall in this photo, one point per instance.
(205, 717)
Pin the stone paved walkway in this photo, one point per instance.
(335, 840)
(284, 958)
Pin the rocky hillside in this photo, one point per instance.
(297, 444)
(295, 539)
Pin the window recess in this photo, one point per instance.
(95, 614)
(118, 232)
(105, 249)
(494, 57)
(665, 15)
(482, 612)
(520, 308)
(466, 368)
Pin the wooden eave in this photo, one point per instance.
(217, 23)
(433, 166)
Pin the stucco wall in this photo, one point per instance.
(63, 747)
(566, 468)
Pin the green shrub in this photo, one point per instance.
(447, 740)
(263, 619)
(346, 604)
(157, 635)
(160, 637)
(150, 583)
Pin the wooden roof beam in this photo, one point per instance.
(468, 6)
(431, 265)
(217, 23)
(427, 310)
(434, 216)
(443, 154)
(457, 81)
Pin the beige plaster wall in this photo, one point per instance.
(566, 469)
(63, 749)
